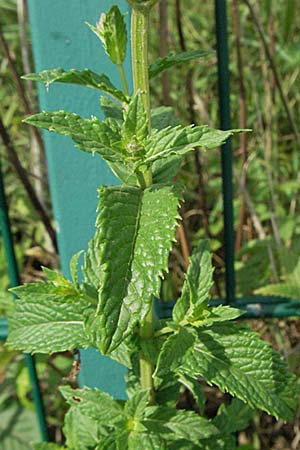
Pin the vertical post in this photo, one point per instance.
(225, 124)
(14, 279)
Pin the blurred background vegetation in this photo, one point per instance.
(264, 42)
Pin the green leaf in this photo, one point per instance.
(47, 446)
(85, 77)
(58, 279)
(148, 220)
(95, 404)
(289, 289)
(162, 64)
(286, 290)
(122, 354)
(108, 443)
(197, 286)
(181, 140)
(47, 319)
(91, 264)
(220, 314)
(234, 417)
(125, 175)
(135, 125)
(224, 442)
(176, 424)
(111, 108)
(237, 361)
(18, 427)
(111, 30)
(164, 170)
(82, 432)
(149, 441)
(194, 386)
(163, 117)
(172, 353)
(74, 268)
(90, 135)
(136, 405)
(182, 444)
(168, 392)
(217, 314)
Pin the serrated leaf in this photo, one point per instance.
(123, 172)
(234, 417)
(95, 404)
(47, 319)
(111, 30)
(172, 353)
(122, 354)
(194, 386)
(90, 135)
(162, 64)
(136, 405)
(82, 432)
(74, 268)
(111, 108)
(91, 264)
(221, 313)
(168, 392)
(197, 285)
(286, 290)
(181, 140)
(135, 125)
(149, 441)
(148, 220)
(57, 279)
(237, 361)
(217, 314)
(164, 170)
(178, 424)
(85, 77)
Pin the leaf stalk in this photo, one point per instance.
(123, 79)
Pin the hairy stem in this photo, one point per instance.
(139, 49)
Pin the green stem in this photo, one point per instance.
(146, 369)
(123, 79)
(139, 50)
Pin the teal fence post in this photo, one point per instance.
(60, 38)
(225, 124)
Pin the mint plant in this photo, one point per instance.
(111, 305)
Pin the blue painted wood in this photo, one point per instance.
(60, 38)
